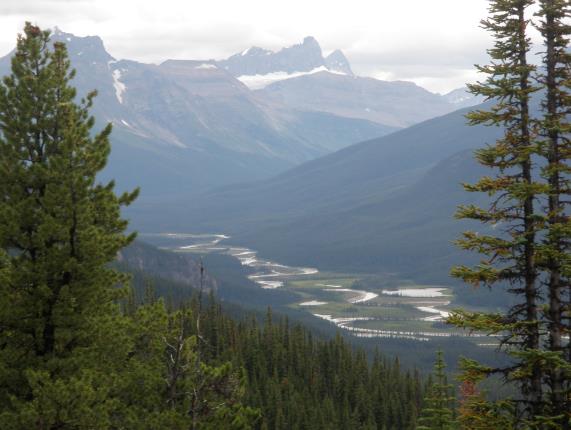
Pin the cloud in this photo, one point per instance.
(433, 41)
(35, 7)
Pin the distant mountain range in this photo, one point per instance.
(185, 126)
(264, 146)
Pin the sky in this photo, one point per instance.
(434, 43)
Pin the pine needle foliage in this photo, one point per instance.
(59, 229)
(438, 410)
(555, 250)
(526, 242)
(509, 246)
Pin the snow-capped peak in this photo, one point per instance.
(302, 57)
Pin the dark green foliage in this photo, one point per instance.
(510, 251)
(165, 383)
(437, 413)
(60, 229)
(474, 411)
(297, 381)
(68, 358)
(528, 253)
(294, 379)
(555, 249)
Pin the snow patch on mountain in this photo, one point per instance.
(206, 66)
(120, 87)
(461, 97)
(257, 82)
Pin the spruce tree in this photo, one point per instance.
(60, 229)
(159, 387)
(510, 245)
(437, 413)
(533, 251)
(555, 251)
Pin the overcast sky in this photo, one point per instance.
(434, 43)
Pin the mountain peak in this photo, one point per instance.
(310, 41)
(299, 58)
(309, 44)
(89, 46)
(255, 51)
(337, 62)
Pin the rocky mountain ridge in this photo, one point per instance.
(184, 126)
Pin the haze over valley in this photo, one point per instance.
(289, 153)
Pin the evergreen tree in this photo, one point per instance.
(160, 385)
(511, 250)
(437, 413)
(60, 229)
(475, 412)
(555, 129)
(532, 253)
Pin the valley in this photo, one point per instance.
(379, 306)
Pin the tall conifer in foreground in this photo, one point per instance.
(555, 251)
(60, 229)
(510, 251)
(534, 252)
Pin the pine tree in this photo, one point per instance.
(59, 229)
(511, 250)
(437, 413)
(159, 387)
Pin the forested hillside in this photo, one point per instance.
(297, 381)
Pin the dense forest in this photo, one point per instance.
(291, 378)
(296, 381)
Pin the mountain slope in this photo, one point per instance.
(301, 78)
(409, 232)
(337, 62)
(381, 205)
(193, 125)
(346, 178)
(462, 98)
(397, 103)
(183, 127)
